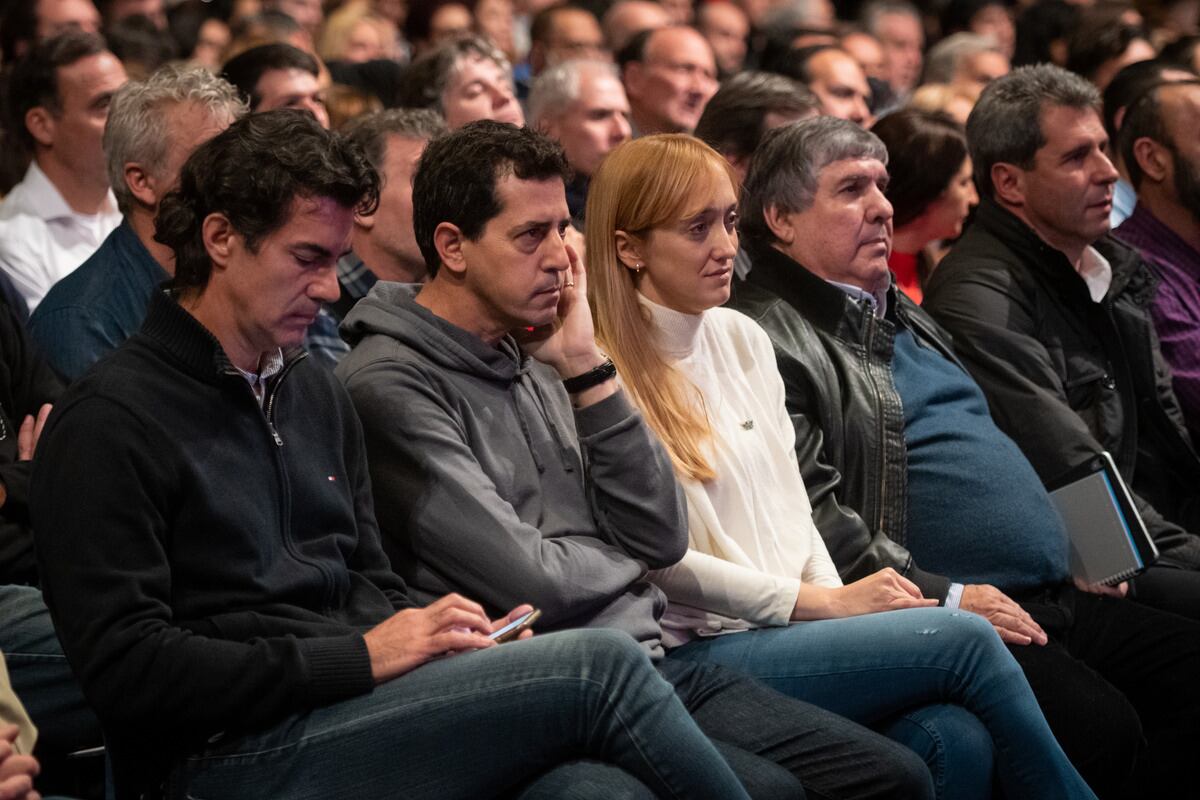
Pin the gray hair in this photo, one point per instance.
(558, 87)
(137, 130)
(371, 131)
(786, 168)
(422, 84)
(1006, 124)
(945, 57)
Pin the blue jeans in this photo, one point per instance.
(476, 725)
(875, 667)
(41, 676)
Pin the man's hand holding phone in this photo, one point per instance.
(452, 624)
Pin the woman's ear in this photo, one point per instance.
(629, 250)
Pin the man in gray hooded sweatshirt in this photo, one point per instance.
(507, 463)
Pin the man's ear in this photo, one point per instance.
(41, 126)
(220, 239)
(366, 223)
(631, 76)
(780, 224)
(448, 241)
(629, 250)
(1008, 183)
(141, 184)
(1153, 158)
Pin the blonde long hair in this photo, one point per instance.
(641, 185)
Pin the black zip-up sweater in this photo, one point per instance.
(210, 565)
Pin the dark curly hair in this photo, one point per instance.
(250, 173)
(457, 174)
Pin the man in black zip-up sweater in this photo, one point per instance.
(212, 562)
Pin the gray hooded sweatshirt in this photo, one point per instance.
(488, 483)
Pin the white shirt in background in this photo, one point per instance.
(42, 240)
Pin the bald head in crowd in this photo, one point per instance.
(561, 33)
(627, 18)
(669, 76)
(839, 82)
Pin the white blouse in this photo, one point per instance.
(752, 537)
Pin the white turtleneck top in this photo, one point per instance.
(752, 538)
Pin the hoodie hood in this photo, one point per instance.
(390, 309)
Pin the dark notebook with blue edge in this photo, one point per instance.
(1109, 542)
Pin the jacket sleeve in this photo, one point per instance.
(635, 499)
(435, 500)
(995, 338)
(104, 491)
(856, 547)
(71, 337)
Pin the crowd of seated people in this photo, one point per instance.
(596, 398)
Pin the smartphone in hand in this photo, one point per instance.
(513, 629)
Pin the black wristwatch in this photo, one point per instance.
(593, 377)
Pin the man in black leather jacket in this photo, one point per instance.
(1052, 317)
(903, 464)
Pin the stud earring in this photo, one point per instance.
(637, 267)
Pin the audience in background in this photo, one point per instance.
(991, 19)
(966, 61)
(114, 11)
(1158, 144)
(27, 23)
(382, 244)
(1183, 52)
(1102, 45)
(429, 24)
(153, 126)
(563, 33)
(867, 51)
(1127, 87)
(745, 108)
(273, 76)
(463, 80)
(931, 188)
(200, 33)
(582, 106)
(627, 18)
(836, 79)
(898, 27)
(669, 74)
(1043, 32)
(62, 209)
(727, 30)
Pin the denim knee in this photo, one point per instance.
(954, 744)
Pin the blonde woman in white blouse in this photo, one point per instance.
(757, 590)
